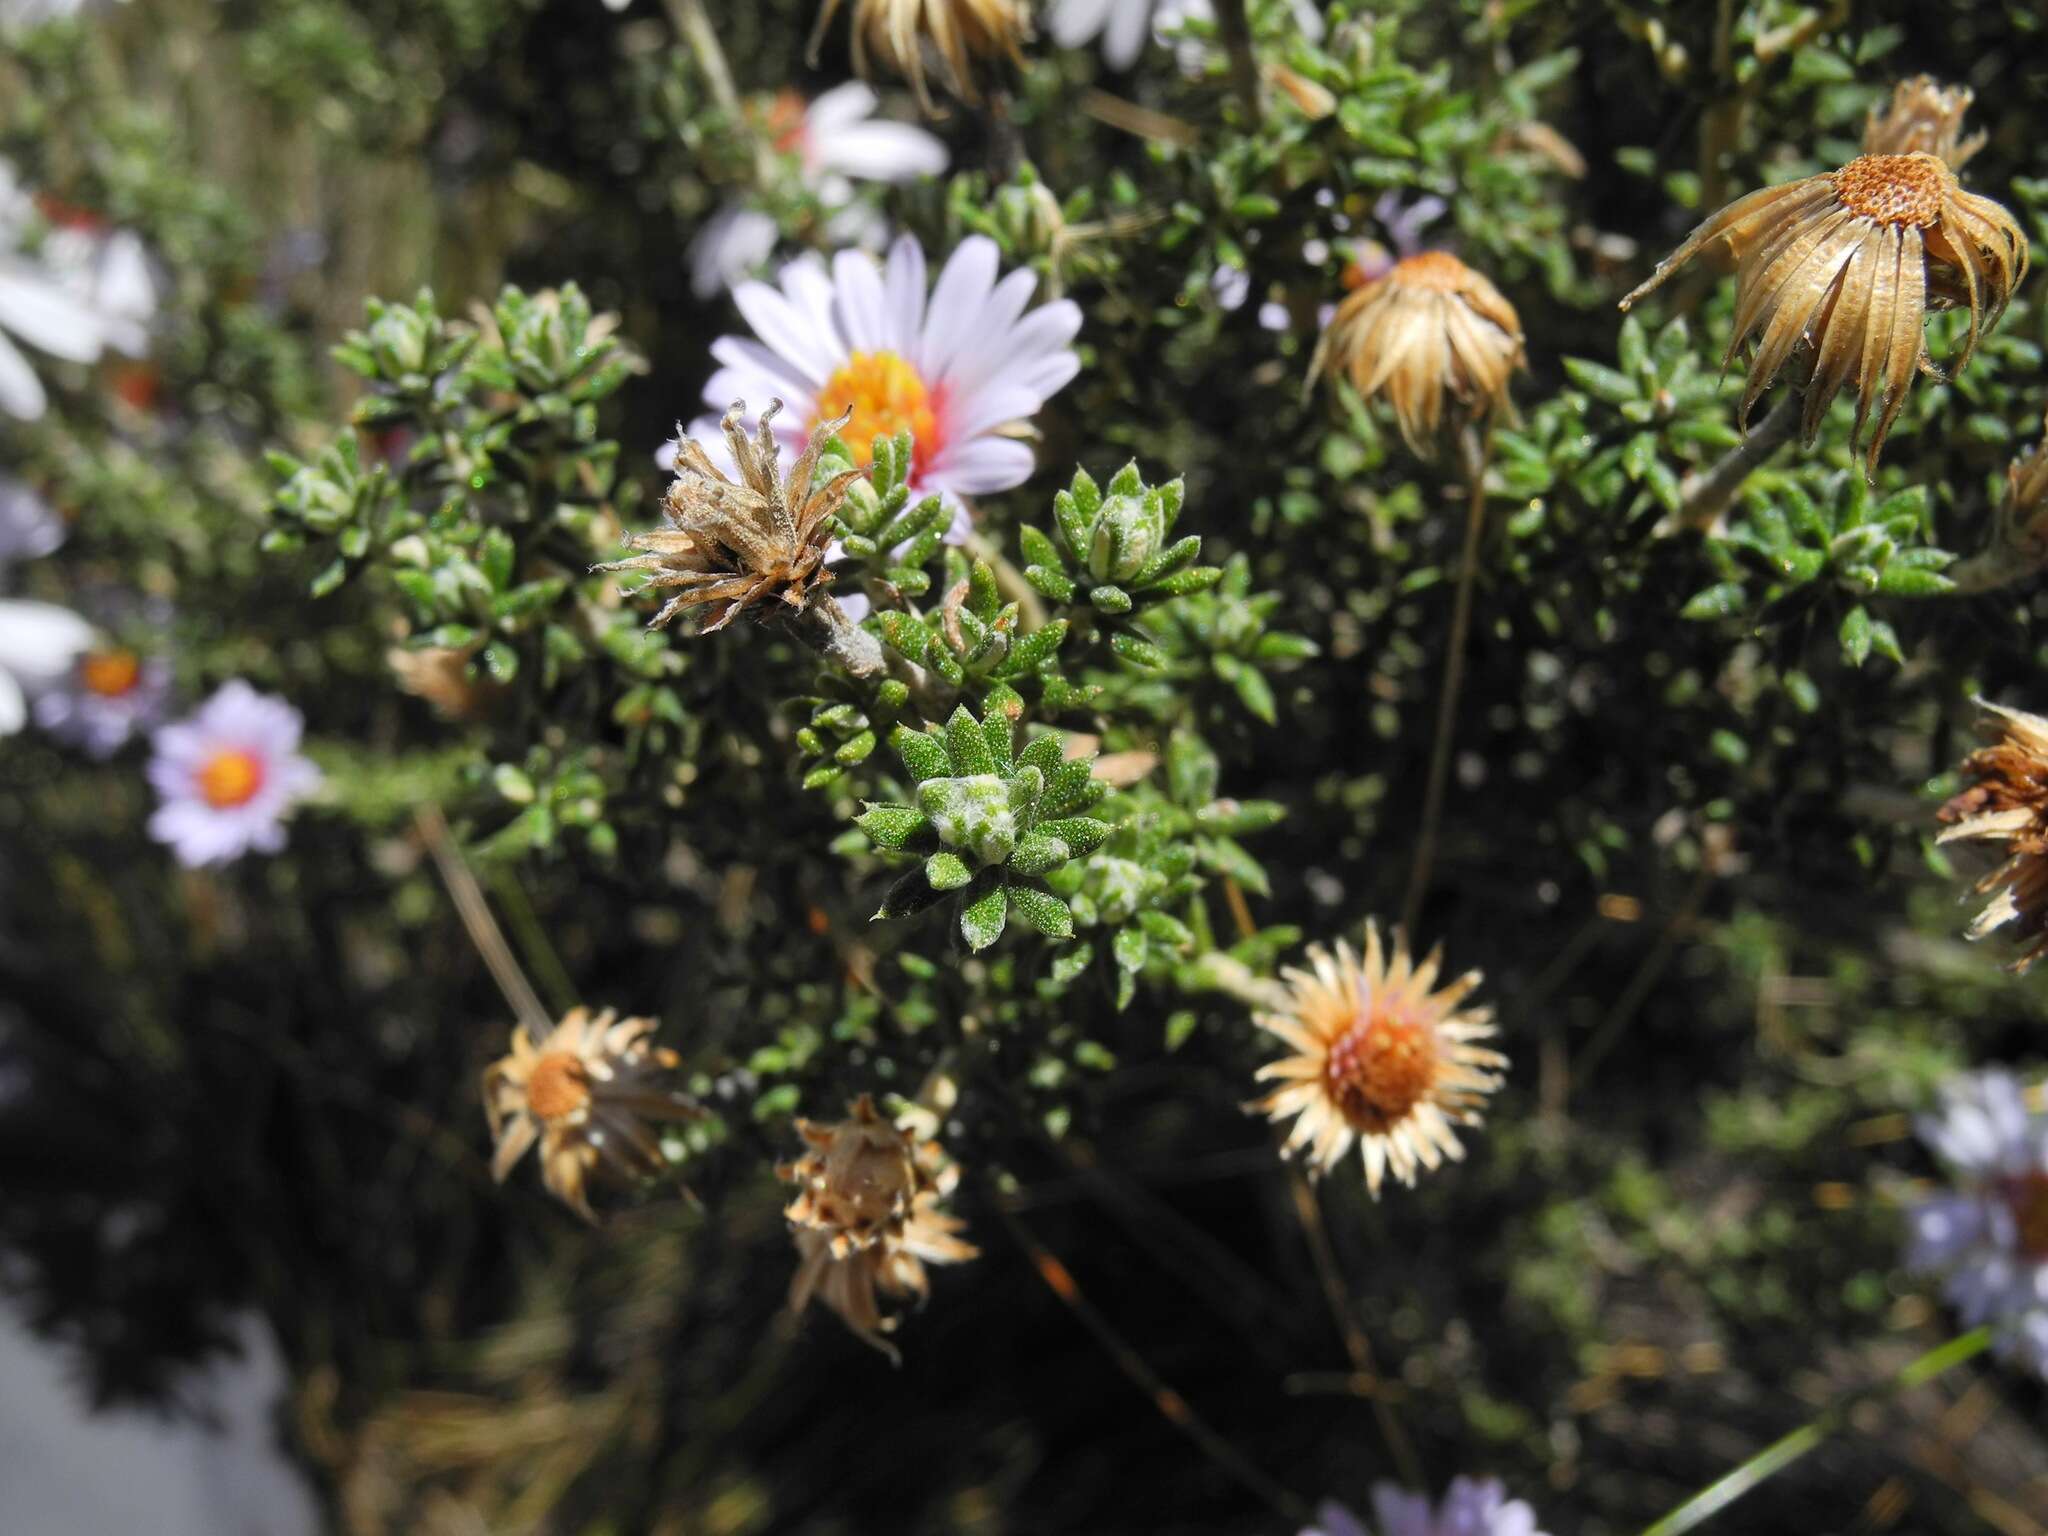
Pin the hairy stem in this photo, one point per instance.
(1774, 1458)
(824, 625)
(484, 932)
(1706, 495)
(1454, 680)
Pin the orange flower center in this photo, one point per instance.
(1381, 1067)
(1894, 189)
(2027, 1196)
(785, 123)
(110, 674)
(558, 1086)
(1437, 271)
(231, 778)
(886, 396)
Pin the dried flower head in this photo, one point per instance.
(584, 1091)
(866, 1218)
(2007, 802)
(1379, 1059)
(445, 676)
(1925, 117)
(958, 34)
(2023, 516)
(1428, 327)
(1835, 274)
(743, 542)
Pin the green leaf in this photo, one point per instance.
(909, 896)
(1038, 852)
(1721, 601)
(947, 871)
(1856, 636)
(1600, 381)
(966, 744)
(1043, 911)
(890, 826)
(1130, 946)
(1081, 834)
(983, 917)
(923, 755)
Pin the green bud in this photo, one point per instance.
(972, 813)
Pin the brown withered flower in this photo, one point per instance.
(1926, 117)
(2007, 802)
(1382, 1057)
(445, 676)
(1835, 273)
(957, 34)
(739, 543)
(584, 1092)
(1428, 329)
(866, 1218)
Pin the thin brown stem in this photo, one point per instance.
(694, 23)
(1171, 1406)
(1356, 1344)
(1475, 450)
(484, 932)
(1236, 30)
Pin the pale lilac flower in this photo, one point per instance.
(1471, 1507)
(38, 642)
(106, 696)
(228, 776)
(964, 369)
(29, 529)
(837, 141)
(1987, 1236)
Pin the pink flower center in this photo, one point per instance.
(230, 778)
(110, 674)
(1381, 1067)
(887, 396)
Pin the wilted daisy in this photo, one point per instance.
(957, 35)
(866, 1219)
(836, 141)
(1471, 1507)
(1988, 1235)
(228, 776)
(1429, 329)
(109, 694)
(1926, 117)
(1379, 1059)
(736, 544)
(964, 370)
(2006, 802)
(585, 1091)
(1834, 275)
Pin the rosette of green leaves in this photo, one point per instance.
(988, 823)
(1223, 634)
(975, 639)
(887, 540)
(1795, 554)
(842, 727)
(1114, 552)
(481, 509)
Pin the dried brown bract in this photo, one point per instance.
(866, 1219)
(958, 35)
(1835, 274)
(585, 1092)
(1926, 117)
(2007, 802)
(1430, 329)
(740, 543)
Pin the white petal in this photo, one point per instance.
(860, 305)
(954, 320)
(39, 640)
(840, 107)
(42, 314)
(903, 281)
(882, 151)
(21, 392)
(984, 465)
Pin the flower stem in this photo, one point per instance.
(1236, 30)
(1776, 1457)
(1707, 495)
(484, 931)
(1454, 680)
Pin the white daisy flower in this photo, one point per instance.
(837, 141)
(1470, 1507)
(964, 369)
(38, 643)
(73, 299)
(228, 776)
(1987, 1236)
